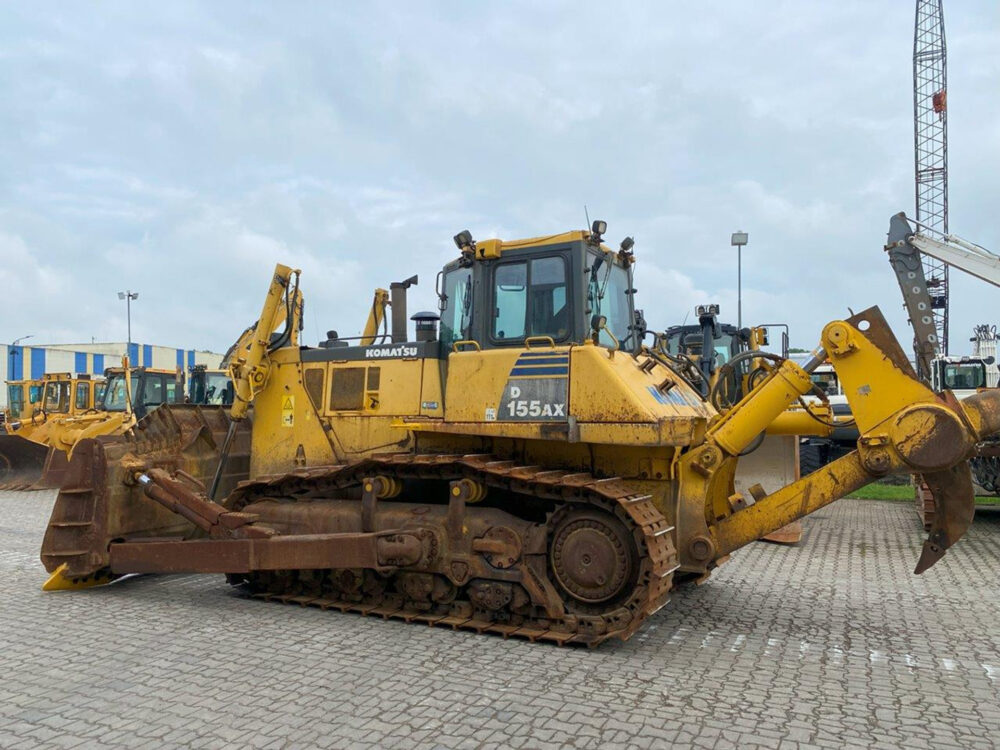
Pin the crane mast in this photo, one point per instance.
(930, 140)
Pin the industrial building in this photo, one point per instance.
(21, 362)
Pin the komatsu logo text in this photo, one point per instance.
(379, 352)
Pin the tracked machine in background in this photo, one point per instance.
(534, 470)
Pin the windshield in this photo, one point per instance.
(607, 296)
(56, 397)
(688, 341)
(959, 376)
(827, 382)
(114, 393)
(212, 388)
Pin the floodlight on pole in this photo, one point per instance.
(12, 350)
(738, 240)
(128, 297)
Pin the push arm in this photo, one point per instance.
(376, 317)
(249, 362)
(251, 365)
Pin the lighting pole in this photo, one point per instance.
(739, 239)
(128, 297)
(13, 352)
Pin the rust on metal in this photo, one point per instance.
(22, 462)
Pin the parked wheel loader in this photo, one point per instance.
(34, 454)
(24, 443)
(729, 361)
(532, 469)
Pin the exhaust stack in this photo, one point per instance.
(398, 303)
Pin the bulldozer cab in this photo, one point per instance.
(150, 388)
(565, 289)
(209, 387)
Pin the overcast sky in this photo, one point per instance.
(181, 149)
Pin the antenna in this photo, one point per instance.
(586, 213)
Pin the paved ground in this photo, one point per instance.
(834, 643)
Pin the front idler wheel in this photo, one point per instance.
(593, 560)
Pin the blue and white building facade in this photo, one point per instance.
(31, 362)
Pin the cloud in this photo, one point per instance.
(182, 150)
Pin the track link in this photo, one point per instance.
(566, 491)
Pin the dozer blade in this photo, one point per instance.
(99, 501)
(790, 533)
(21, 462)
(954, 507)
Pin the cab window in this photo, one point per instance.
(608, 296)
(964, 376)
(152, 390)
(56, 397)
(15, 399)
(827, 382)
(82, 400)
(34, 394)
(99, 393)
(456, 307)
(530, 299)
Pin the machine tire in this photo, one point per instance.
(812, 457)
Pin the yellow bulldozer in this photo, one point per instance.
(532, 469)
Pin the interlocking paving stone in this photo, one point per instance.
(834, 643)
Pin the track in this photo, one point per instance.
(554, 591)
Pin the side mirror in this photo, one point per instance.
(597, 322)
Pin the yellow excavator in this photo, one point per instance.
(532, 469)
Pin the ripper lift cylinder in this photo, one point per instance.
(761, 406)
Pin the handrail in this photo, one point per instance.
(543, 339)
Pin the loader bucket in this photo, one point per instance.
(54, 470)
(21, 462)
(99, 501)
